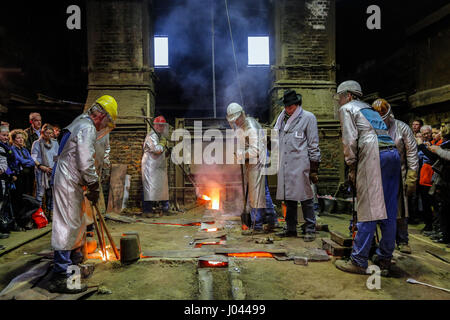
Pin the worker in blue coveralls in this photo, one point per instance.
(375, 171)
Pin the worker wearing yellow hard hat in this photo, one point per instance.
(75, 169)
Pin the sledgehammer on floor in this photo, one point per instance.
(426, 284)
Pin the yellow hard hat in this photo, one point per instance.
(109, 104)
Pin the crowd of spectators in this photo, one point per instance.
(431, 203)
(26, 163)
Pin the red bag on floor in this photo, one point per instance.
(39, 218)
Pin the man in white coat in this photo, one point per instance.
(75, 168)
(154, 169)
(252, 151)
(299, 158)
(375, 171)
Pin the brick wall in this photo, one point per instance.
(304, 33)
(126, 148)
(119, 42)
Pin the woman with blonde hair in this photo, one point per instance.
(25, 164)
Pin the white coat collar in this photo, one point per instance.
(294, 116)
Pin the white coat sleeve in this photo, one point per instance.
(106, 162)
(412, 158)
(349, 136)
(444, 154)
(152, 144)
(312, 137)
(85, 154)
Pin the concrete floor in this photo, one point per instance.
(262, 278)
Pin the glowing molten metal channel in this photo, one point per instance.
(212, 230)
(213, 264)
(258, 254)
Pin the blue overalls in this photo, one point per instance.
(390, 176)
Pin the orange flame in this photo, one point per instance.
(205, 197)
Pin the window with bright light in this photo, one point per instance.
(258, 51)
(161, 45)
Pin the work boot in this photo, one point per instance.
(4, 235)
(58, 284)
(309, 237)
(436, 236)
(150, 215)
(269, 228)
(286, 233)
(349, 266)
(384, 264)
(169, 213)
(404, 248)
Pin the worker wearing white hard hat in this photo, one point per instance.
(254, 151)
(374, 171)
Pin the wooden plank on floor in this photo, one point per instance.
(116, 189)
(334, 248)
(341, 239)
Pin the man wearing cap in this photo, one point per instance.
(252, 148)
(75, 168)
(406, 145)
(299, 159)
(154, 169)
(374, 170)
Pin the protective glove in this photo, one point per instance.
(163, 142)
(93, 192)
(411, 179)
(352, 175)
(105, 174)
(313, 169)
(313, 178)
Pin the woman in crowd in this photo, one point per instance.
(43, 152)
(441, 184)
(25, 164)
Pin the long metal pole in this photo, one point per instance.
(111, 240)
(213, 59)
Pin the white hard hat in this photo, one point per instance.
(234, 110)
(350, 86)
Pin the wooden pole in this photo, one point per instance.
(111, 240)
(98, 231)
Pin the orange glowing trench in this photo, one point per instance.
(256, 254)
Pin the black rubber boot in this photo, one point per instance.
(384, 264)
(309, 237)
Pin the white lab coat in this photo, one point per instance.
(75, 168)
(154, 170)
